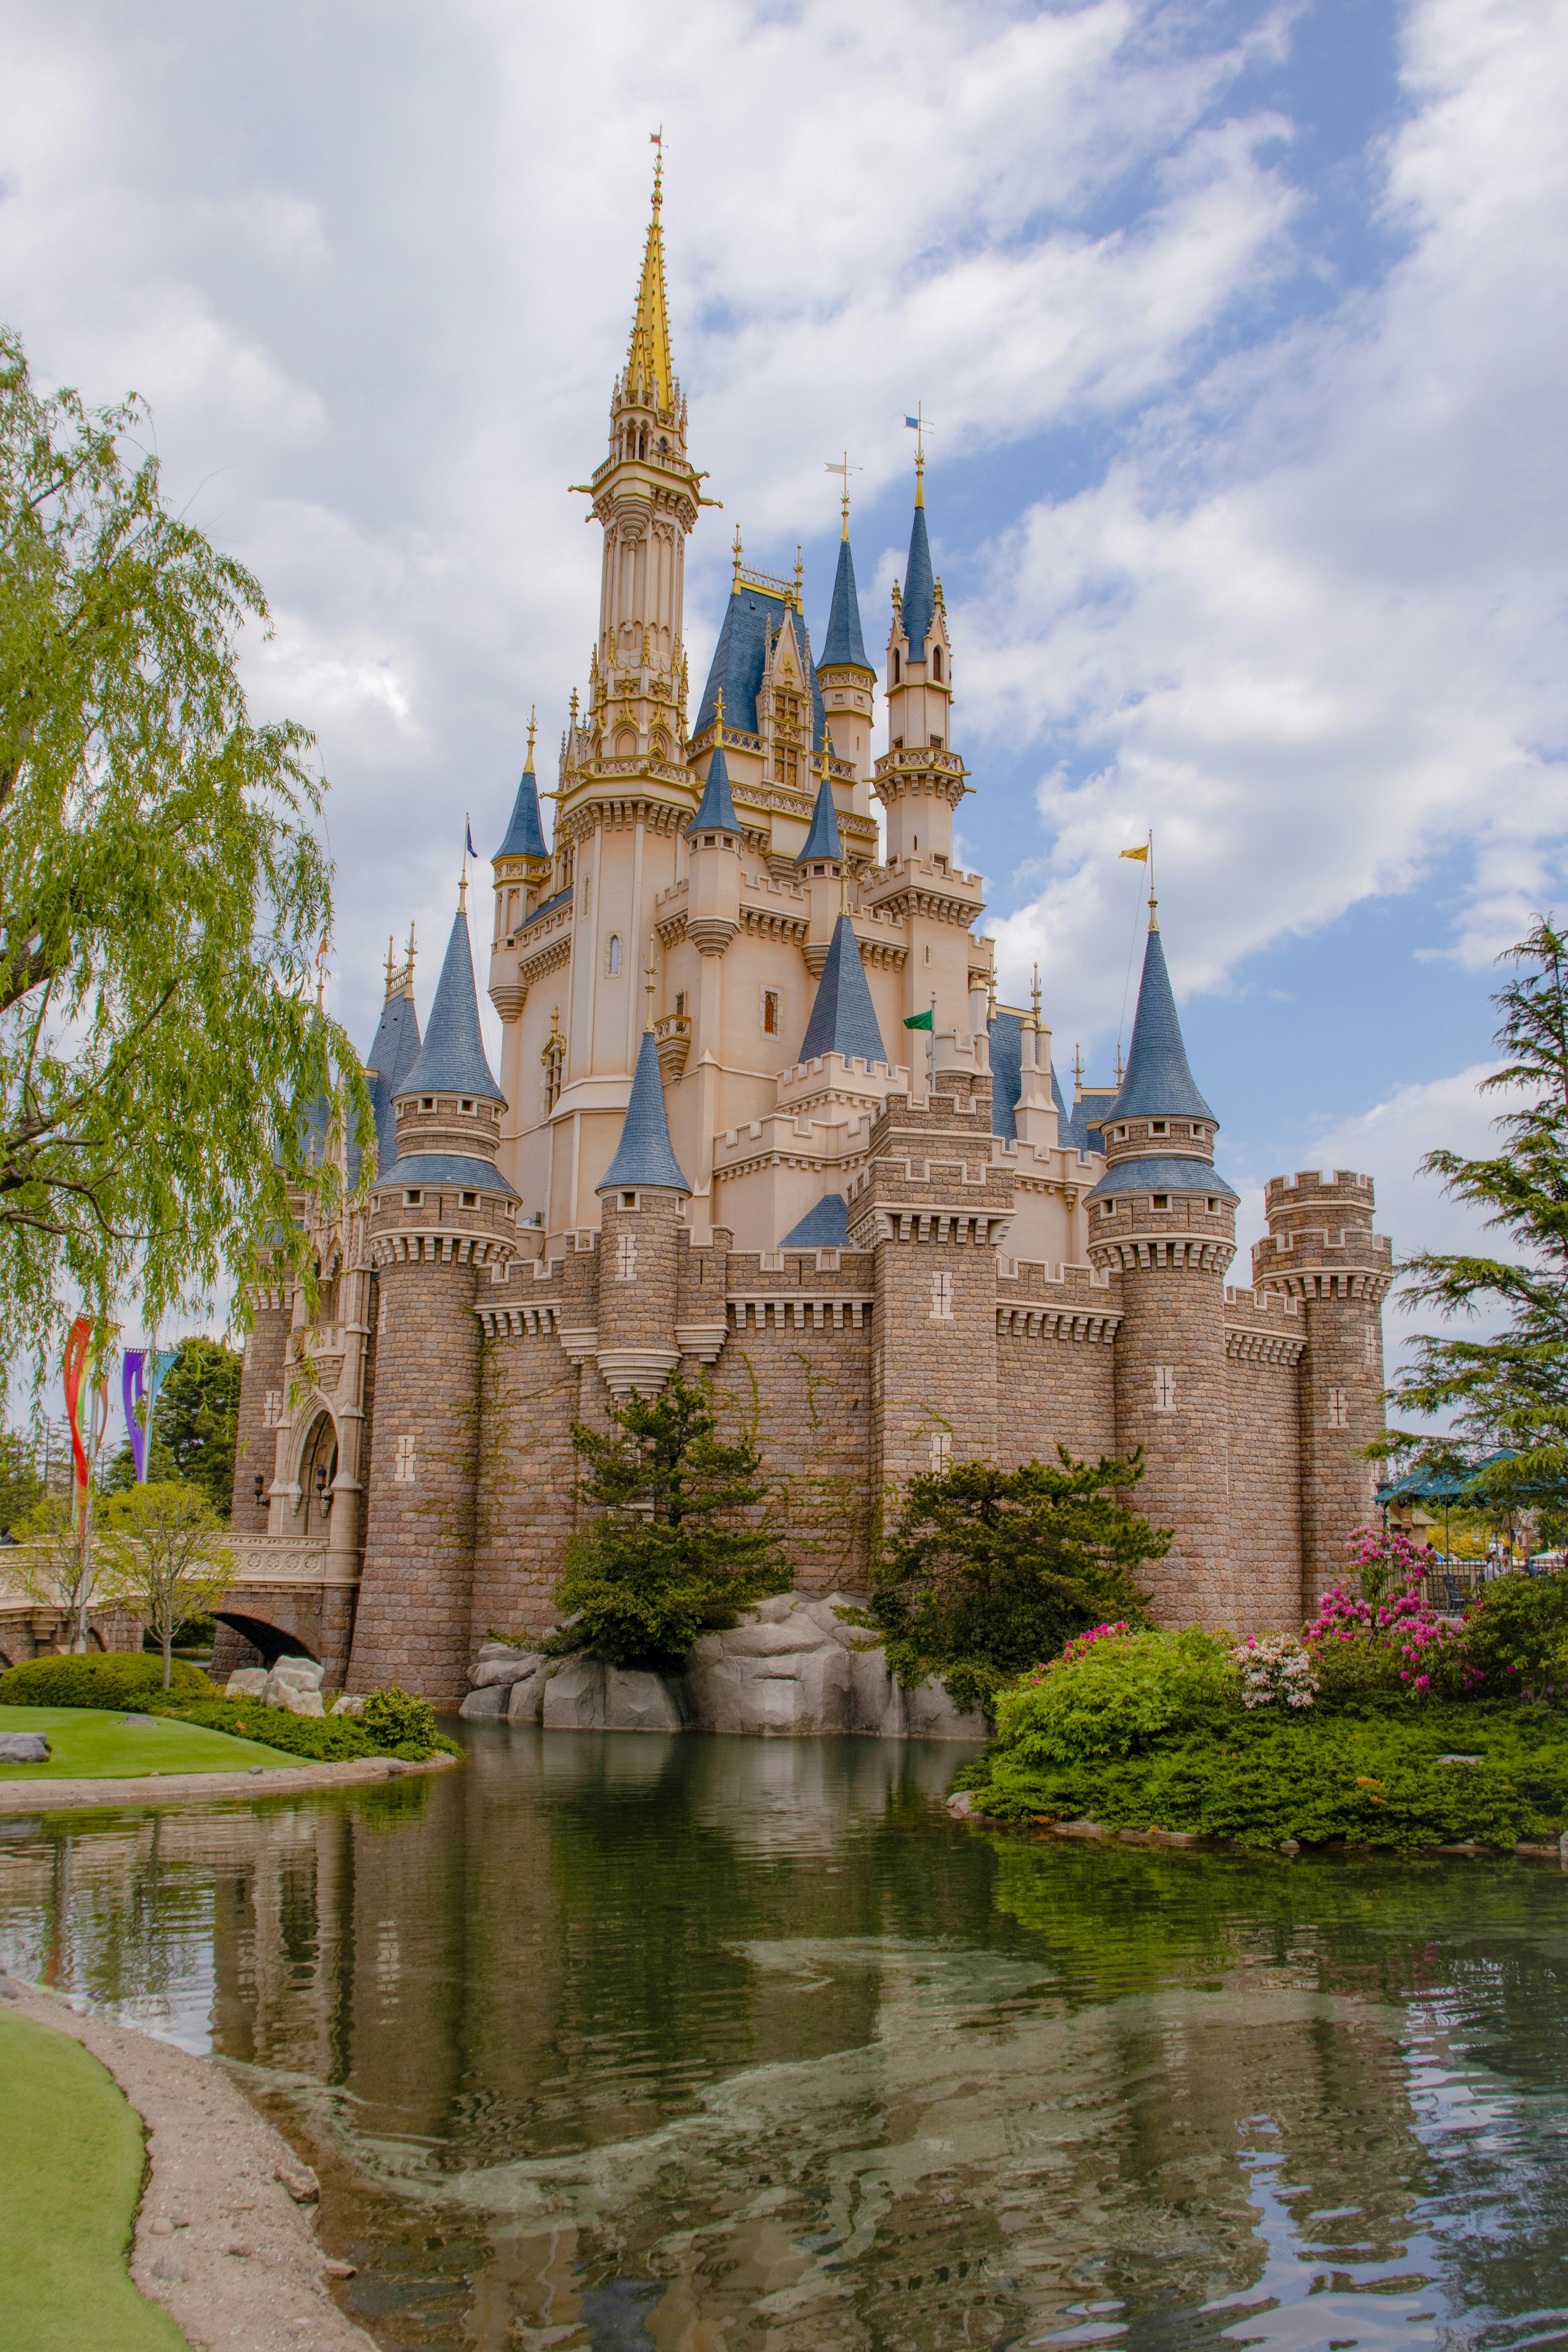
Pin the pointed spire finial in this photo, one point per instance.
(1035, 993)
(799, 574)
(845, 469)
(1118, 1069)
(719, 720)
(648, 360)
(408, 991)
(736, 581)
(389, 964)
(1078, 1074)
(920, 425)
(650, 981)
(532, 731)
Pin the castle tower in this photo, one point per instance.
(846, 680)
(520, 870)
(442, 1222)
(920, 777)
(1321, 1252)
(820, 867)
(1165, 1222)
(641, 1200)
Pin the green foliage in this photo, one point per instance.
(1116, 1695)
(1361, 1669)
(1516, 1637)
(162, 890)
(398, 1728)
(21, 1488)
(195, 1425)
(395, 1720)
(164, 1552)
(97, 1679)
(682, 1541)
(1371, 1779)
(1511, 1388)
(988, 1571)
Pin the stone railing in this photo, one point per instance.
(286, 1559)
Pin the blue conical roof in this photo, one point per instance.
(644, 1155)
(1157, 1081)
(844, 642)
(825, 1227)
(525, 833)
(452, 1061)
(393, 1056)
(823, 840)
(919, 590)
(843, 1019)
(717, 812)
(753, 620)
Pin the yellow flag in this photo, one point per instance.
(1141, 855)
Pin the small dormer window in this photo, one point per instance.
(1107, 1208)
(412, 1200)
(1160, 1200)
(470, 1200)
(936, 743)
(628, 1199)
(467, 1105)
(1158, 1127)
(426, 1102)
(1214, 1206)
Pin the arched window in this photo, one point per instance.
(613, 963)
(936, 663)
(895, 665)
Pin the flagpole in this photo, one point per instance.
(931, 1081)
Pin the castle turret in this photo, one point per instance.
(1322, 1253)
(713, 856)
(641, 1198)
(847, 679)
(1163, 1221)
(920, 777)
(442, 1220)
(820, 867)
(843, 1017)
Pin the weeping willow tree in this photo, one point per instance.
(162, 889)
(1506, 1390)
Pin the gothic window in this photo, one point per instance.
(786, 764)
(552, 1059)
(942, 1299)
(402, 1463)
(1339, 1409)
(626, 744)
(895, 665)
(679, 1003)
(936, 663)
(940, 1452)
(770, 1012)
(1164, 1388)
(613, 954)
(627, 1258)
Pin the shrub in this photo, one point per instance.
(395, 1721)
(1113, 1696)
(1516, 1636)
(1399, 1649)
(1382, 1558)
(107, 1679)
(1277, 1667)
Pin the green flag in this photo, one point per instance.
(920, 1021)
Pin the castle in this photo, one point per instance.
(715, 1142)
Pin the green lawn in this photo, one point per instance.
(90, 1743)
(71, 2162)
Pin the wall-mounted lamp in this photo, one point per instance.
(323, 1499)
(260, 1484)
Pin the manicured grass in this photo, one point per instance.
(72, 2165)
(91, 1744)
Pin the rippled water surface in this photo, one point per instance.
(620, 2044)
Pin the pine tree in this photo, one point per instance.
(682, 1540)
(1508, 1389)
(987, 1570)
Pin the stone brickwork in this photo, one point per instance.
(529, 1394)
(266, 1355)
(1264, 1339)
(1055, 1363)
(1173, 1389)
(1322, 1253)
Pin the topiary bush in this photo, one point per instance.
(1113, 1692)
(98, 1678)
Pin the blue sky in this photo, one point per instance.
(1242, 329)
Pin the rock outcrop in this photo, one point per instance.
(292, 1683)
(790, 1670)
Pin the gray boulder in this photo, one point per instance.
(245, 1682)
(24, 1747)
(351, 1703)
(295, 1684)
(479, 1704)
(515, 1666)
(525, 1699)
(635, 1700)
(575, 1696)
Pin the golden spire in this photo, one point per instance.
(648, 360)
(799, 575)
(390, 967)
(718, 720)
(532, 731)
(845, 469)
(736, 581)
(1035, 993)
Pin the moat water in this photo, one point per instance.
(619, 2044)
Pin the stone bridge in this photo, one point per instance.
(287, 1596)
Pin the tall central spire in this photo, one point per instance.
(648, 359)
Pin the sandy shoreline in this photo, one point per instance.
(221, 2242)
(44, 1796)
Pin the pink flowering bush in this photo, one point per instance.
(1381, 1560)
(1399, 1645)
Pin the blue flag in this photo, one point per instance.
(472, 851)
(911, 423)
